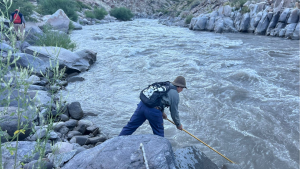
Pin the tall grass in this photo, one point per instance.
(55, 38)
(48, 7)
(14, 78)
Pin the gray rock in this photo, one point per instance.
(245, 22)
(75, 79)
(36, 87)
(71, 123)
(36, 165)
(59, 21)
(42, 99)
(58, 126)
(5, 47)
(66, 58)
(125, 152)
(29, 61)
(296, 32)
(9, 122)
(210, 24)
(94, 130)
(193, 22)
(294, 16)
(22, 45)
(284, 15)
(81, 140)
(219, 25)
(282, 33)
(33, 79)
(225, 10)
(77, 26)
(53, 135)
(73, 133)
(192, 158)
(290, 30)
(32, 34)
(94, 140)
(88, 55)
(81, 128)
(59, 159)
(200, 23)
(25, 153)
(273, 22)
(237, 19)
(62, 147)
(64, 117)
(279, 26)
(63, 130)
(40, 133)
(228, 25)
(263, 23)
(75, 110)
(87, 123)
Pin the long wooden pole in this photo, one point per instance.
(204, 143)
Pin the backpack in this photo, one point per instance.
(151, 96)
(17, 19)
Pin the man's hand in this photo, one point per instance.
(179, 127)
(164, 116)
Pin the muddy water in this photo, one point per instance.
(242, 97)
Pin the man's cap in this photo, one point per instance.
(179, 81)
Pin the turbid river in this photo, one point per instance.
(242, 97)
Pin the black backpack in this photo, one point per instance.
(152, 95)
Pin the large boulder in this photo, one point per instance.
(88, 55)
(273, 22)
(225, 10)
(263, 23)
(296, 32)
(29, 61)
(76, 25)
(192, 158)
(245, 23)
(9, 122)
(32, 34)
(26, 153)
(228, 25)
(200, 23)
(294, 16)
(125, 152)
(59, 21)
(210, 24)
(277, 29)
(72, 61)
(284, 15)
(290, 30)
(219, 25)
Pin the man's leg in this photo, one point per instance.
(155, 119)
(137, 119)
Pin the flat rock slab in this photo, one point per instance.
(124, 152)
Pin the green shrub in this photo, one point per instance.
(48, 7)
(237, 3)
(80, 5)
(26, 8)
(71, 26)
(188, 19)
(245, 9)
(100, 13)
(121, 13)
(53, 38)
(194, 4)
(89, 14)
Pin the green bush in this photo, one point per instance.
(26, 8)
(71, 26)
(237, 3)
(194, 4)
(121, 13)
(188, 19)
(89, 14)
(100, 13)
(80, 5)
(48, 7)
(52, 38)
(245, 9)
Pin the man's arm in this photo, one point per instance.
(174, 99)
(23, 20)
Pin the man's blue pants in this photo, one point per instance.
(142, 112)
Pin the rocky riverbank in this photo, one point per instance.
(72, 141)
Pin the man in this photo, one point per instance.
(155, 115)
(18, 19)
